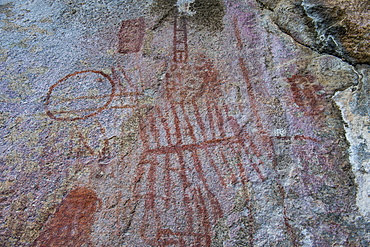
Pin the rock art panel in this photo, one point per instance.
(176, 123)
(180, 176)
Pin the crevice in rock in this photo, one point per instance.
(359, 82)
(356, 85)
(325, 30)
(355, 122)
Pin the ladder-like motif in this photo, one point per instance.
(180, 42)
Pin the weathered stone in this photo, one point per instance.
(184, 123)
(354, 104)
(335, 27)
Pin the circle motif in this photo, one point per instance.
(79, 95)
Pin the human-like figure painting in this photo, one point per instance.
(195, 164)
(194, 151)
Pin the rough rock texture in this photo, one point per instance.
(184, 123)
(354, 104)
(337, 27)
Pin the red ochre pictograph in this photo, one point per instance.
(193, 150)
(85, 94)
(180, 40)
(267, 141)
(131, 35)
(71, 224)
(307, 95)
(188, 160)
(68, 99)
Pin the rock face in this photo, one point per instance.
(185, 123)
(340, 28)
(354, 103)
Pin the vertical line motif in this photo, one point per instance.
(180, 42)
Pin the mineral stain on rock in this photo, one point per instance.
(71, 223)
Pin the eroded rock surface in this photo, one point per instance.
(184, 123)
(340, 28)
(354, 104)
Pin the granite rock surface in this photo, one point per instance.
(185, 123)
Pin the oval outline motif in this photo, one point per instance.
(99, 110)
